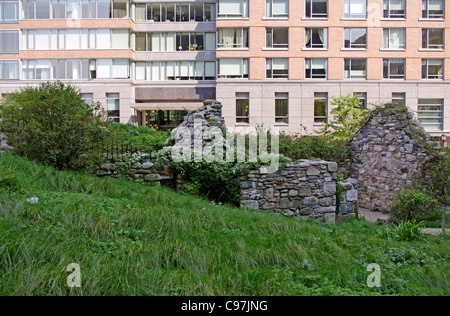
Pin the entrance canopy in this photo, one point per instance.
(163, 106)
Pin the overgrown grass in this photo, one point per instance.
(132, 239)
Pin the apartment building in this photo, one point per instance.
(276, 63)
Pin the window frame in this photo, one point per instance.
(245, 97)
(276, 76)
(348, 30)
(427, 10)
(282, 96)
(393, 16)
(315, 46)
(393, 76)
(320, 119)
(427, 75)
(426, 32)
(440, 117)
(349, 2)
(271, 31)
(350, 60)
(311, 14)
(312, 76)
(271, 14)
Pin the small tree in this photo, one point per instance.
(347, 118)
(52, 125)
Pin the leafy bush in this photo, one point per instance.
(310, 147)
(404, 231)
(142, 137)
(217, 181)
(52, 125)
(413, 204)
(347, 118)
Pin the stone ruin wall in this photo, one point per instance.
(305, 190)
(384, 157)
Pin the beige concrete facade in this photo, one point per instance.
(261, 90)
(301, 90)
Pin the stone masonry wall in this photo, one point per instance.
(306, 189)
(385, 156)
(139, 172)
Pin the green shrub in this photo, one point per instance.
(413, 204)
(311, 147)
(52, 125)
(143, 137)
(219, 182)
(408, 231)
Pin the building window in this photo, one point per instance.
(320, 107)
(277, 37)
(355, 68)
(242, 108)
(362, 97)
(170, 42)
(430, 113)
(316, 37)
(88, 98)
(233, 38)
(316, 8)
(233, 9)
(355, 38)
(355, 9)
(113, 104)
(399, 98)
(75, 9)
(277, 8)
(9, 42)
(175, 12)
(433, 9)
(394, 9)
(175, 70)
(432, 68)
(9, 11)
(394, 38)
(316, 68)
(57, 39)
(282, 108)
(394, 68)
(277, 68)
(233, 68)
(9, 70)
(433, 38)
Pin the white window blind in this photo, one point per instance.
(103, 39)
(210, 41)
(104, 68)
(120, 68)
(140, 70)
(73, 39)
(120, 38)
(230, 67)
(280, 7)
(42, 39)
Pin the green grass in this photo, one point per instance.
(132, 239)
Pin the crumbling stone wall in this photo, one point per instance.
(3, 144)
(306, 189)
(194, 129)
(139, 172)
(385, 154)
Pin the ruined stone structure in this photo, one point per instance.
(194, 131)
(139, 172)
(3, 144)
(306, 189)
(385, 154)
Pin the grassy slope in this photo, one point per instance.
(131, 239)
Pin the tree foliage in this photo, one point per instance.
(51, 124)
(347, 118)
